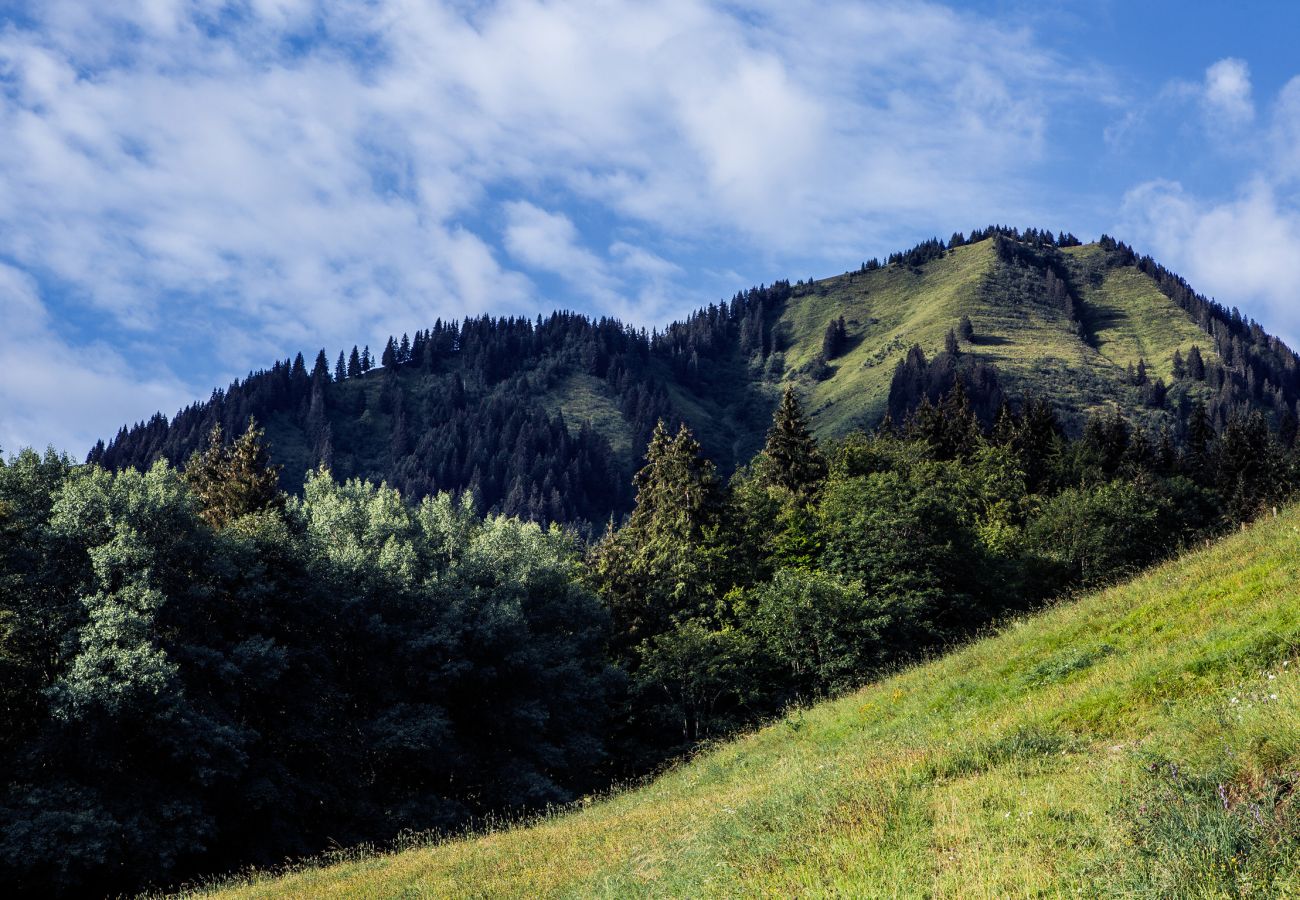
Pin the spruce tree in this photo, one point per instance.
(320, 372)
(354, 363)
(340, 368)
(236, 480)
(668, 561)
(790, 457)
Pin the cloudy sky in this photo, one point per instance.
(189, 190)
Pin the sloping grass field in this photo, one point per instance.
(1143, 741)
(1032, 342)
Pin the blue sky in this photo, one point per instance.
(189, 190)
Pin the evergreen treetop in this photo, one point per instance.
(791, 458)
(234, 480)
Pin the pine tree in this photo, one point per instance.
(354, 363)
(236, 480)
(834, 339)
(1200, 435)
(791, 458)
(669, 560)
(966, 329)
(340, 368)
(320, 372)
(366, 363)
(1195, 364)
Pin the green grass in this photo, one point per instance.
(1034, 345)
(886, 311)
(585, 399)
(1140, 742)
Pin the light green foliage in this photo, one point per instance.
(819, 631)
(1095, 533)
(138, 529)
(1033, 763)
(235, 480)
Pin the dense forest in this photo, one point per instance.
(479, 406)
(200, 672)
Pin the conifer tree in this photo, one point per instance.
(791, 458)
(340, 368)
(834, 339)
(321, 370)
(668, 561)
(354, 363)
(236, 480)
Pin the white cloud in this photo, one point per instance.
(1227, 91)
(319, 173)
(1240, 250)
(1284, 140)
(1238, 243)
(93, 388)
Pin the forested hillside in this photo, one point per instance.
(1144, 742)
(547, 418)
(199, 672)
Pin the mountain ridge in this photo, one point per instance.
(547, 418)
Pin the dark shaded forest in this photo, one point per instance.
(199, 672)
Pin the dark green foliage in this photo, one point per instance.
(920, 382)
(790, 459)
(177, 699)
(836, 339)
(1105, 532)
(668, 562)
(819, 632)
(905, 536)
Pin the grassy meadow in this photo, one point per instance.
(1033, 343)
(1143, 741)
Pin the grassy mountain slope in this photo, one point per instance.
(1034, 345)
(1143, 741)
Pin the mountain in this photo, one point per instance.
(1139, 742)
(547, 419)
